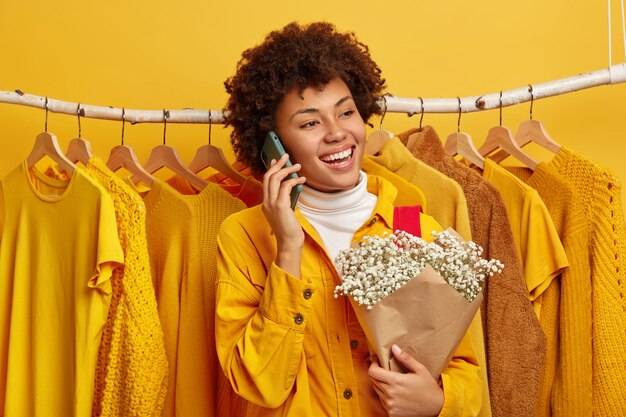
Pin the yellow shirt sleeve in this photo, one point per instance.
(462, 387)
(259, 332)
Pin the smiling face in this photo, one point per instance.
(322, 130)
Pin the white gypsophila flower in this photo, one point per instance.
(382, 264)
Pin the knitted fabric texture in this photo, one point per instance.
(566, 386)
(514, 341)
(173, 255)
(199, 374)
(600, 192)
(131, 374)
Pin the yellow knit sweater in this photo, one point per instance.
(566, 384)
(201, 385)
(600, 192)
(131, 372)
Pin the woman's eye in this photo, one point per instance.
(308, 124)
(347, 113)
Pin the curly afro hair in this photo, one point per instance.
(296, 56)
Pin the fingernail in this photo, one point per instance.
(396, 349)
(273, 162)
(284, 156)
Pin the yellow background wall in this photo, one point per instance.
(155, 54)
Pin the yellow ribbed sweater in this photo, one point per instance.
(566, 386)
(600, 192)
(201, 385)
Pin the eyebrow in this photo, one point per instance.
(314, 110)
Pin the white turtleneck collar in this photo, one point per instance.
(336, 216)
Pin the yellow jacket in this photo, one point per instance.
(287, 345)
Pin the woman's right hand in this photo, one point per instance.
(277, 210)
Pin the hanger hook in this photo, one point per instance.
(500, 107)
(210, 123)
(384, 112)
(123, 123)
(422, 107)
(532, 99)
(165, 114)
(46, 107)
(78, 115)
(458, 123)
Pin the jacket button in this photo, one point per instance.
(354, 344)
(347, 394)
(298, 319)
(307, 294)
(374, 220)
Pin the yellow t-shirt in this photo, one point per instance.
(537, 241)
(58, 248)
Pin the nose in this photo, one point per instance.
(335, 132)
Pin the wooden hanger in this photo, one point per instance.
(123, 156)
(531, 130)
(165, 156)
(79, 149)
(500, 137)
(210, 156)
(377, 139)
(46, 144)
(461, 143)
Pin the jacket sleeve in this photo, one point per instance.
(260, 318)
(462, 386)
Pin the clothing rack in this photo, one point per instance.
(614, 74)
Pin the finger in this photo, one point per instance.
(407, 360)
(277, 164)
(274, 177)
(278, 171)
(377, 373)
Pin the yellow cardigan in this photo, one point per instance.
(287, 345)
(601, 196)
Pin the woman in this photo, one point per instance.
(285, 343)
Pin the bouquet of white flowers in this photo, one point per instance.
(429, 291)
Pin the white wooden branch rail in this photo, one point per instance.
(614, 74)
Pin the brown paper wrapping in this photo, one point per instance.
(426, 317)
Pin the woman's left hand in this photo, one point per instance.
(414, 394)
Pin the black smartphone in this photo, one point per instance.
(273, 149)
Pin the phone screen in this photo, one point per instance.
(273, 149)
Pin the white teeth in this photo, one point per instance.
(339, 155)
